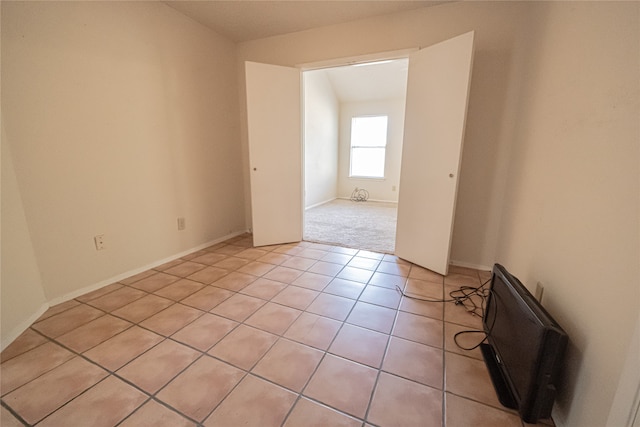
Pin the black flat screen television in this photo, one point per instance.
(525, 347)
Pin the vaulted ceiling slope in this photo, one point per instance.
(379, 80)
(243, 20)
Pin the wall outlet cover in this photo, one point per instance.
(99, 242)
(539, 292)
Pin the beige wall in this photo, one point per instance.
(493, 94)
(21, 290)
(572, 210)
(121, 117)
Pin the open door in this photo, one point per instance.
(436, 109)
(275, 152)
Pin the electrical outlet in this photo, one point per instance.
(99, 242)
(181, 224)
(393, 188)
(539, 292)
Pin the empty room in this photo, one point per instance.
(158, 160)
(353, 131)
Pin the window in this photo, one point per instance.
(368, 146)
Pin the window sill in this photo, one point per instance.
(367, 178)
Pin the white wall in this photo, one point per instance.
(321, 118)
(379, 189)
(571, 216)
(121, 117)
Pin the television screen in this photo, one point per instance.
(525, 349)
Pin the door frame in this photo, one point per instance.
(358, 59)
(332, 63)
(336, 63)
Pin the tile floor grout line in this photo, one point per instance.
(444, 361)
(71, 308)
(334, 355)
(372, 395)
(204, 353)
(210, 347)
(375, 386)
(386, 350)
(47, 339)
(110, 372)
(333, 408)
(72, 399)
(127, 381)
(326, 351)
(129, 415)
(490, 405)
(6, 406)
(54, 340)
(410, 380)
(319, 401)
(146, 328)
(286, 417)
(74, 352)
(246, 374)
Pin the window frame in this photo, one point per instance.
(383, 147)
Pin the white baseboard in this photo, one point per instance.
(102, 283)
(17, 331)
(319, 204)
(470, 265)
(372, 200)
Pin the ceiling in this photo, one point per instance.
(382, 80)
(243, 20)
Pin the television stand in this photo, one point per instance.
(497, 378)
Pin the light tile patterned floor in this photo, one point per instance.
(293, 335)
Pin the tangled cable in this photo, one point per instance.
(464, 296)
(359, 195)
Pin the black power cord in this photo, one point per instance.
(464, 296)
(486, 334)
(359, 195)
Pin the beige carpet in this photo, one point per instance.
(363, 225)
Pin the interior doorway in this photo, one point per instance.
(438, 83)
(353, 124)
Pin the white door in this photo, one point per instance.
(436, 107)
(275, 152)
